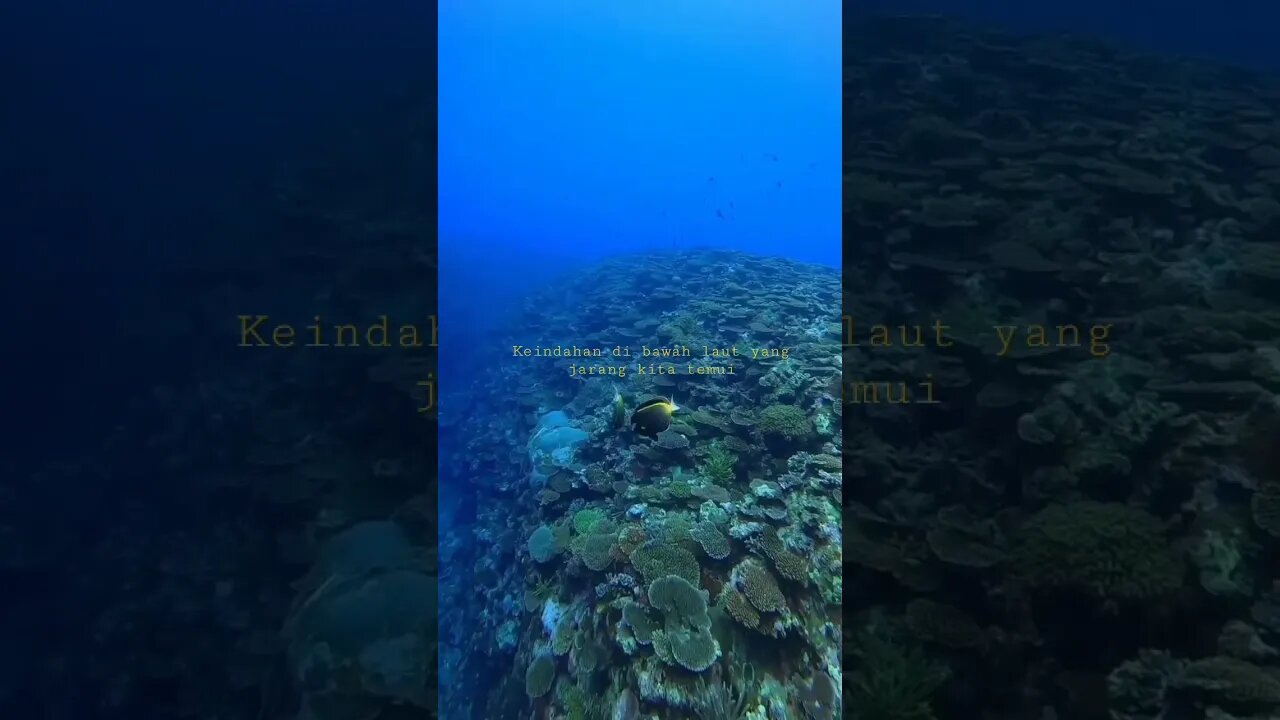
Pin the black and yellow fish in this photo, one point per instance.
(653, 416)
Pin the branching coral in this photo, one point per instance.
(890, 681)
(719, 465)
(545, 589)
(723, 700)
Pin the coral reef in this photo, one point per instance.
(1105, 549)
(691, 575)
(1084, 523)
(891, 680)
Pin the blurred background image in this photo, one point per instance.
(181, 515)
(1077, 529)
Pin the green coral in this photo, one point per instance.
(784, 380)
(1138, 688)
(1265, 505)
(788, 564)
(539, 676)
(830, 579)
(634, 617)
(759, 585)
(737, 606)
(1221, 562)
(596, 540)
(1233, 680)
(562, 636)
(943, 624)
(788, 422)
(711, 540)
(680, 329)
(545, 589)
(712, 513)
(891, 681)
(1108, 550)
(542, 544)
(587, 654)
(596, 550)
(586, 519)
(685, 638)
(676, 528)
(658, 560)
(578, 705)
(719, 465)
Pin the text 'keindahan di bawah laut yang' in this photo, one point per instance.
(1005, 341)
(650, 360)
(1010, 337)
(259, 331)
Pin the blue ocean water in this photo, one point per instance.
(572, 132)
(1238, 32)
